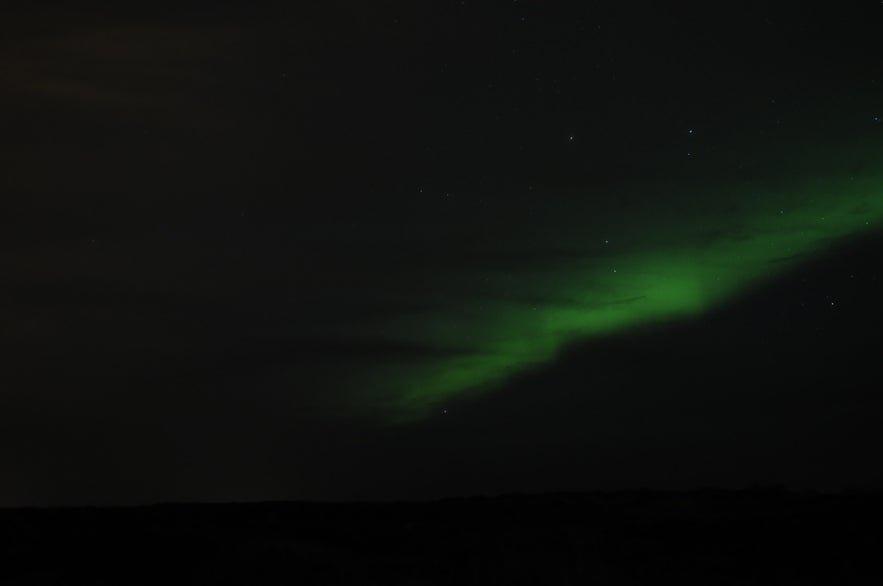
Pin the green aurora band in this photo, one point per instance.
(654, 259)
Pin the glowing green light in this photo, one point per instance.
(672, 256)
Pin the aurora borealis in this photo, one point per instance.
(678, 260)
(342, 250)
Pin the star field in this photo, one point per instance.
(343, 250)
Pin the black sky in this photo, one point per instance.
(191, 195)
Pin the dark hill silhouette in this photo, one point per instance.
(759, 536)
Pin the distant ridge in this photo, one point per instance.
(761, 535)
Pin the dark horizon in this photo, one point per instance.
(752, 537)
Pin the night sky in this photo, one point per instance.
(406, 250)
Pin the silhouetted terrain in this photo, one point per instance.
(749, 537)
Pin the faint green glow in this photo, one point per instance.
(672, 256)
